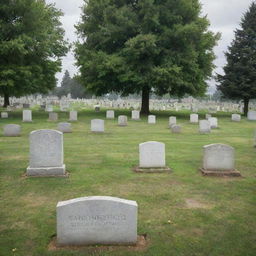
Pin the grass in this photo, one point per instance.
(182, 213)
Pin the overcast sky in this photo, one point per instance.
(224, 16)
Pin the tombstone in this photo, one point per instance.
(207, 116)
(110, 114)
(176, 128)
(172, 121)
(213, 122)
(12, 130)
(236, 117)
(122, 120)
(46, 153)
(97, 125)
(97, 220)
(97, 108)
(64, 127)
(27, 116)
(48, 108)
(194, 118)
(151, 119)
(218, 160)
(4, 114)
(53, 116)
(204, 126)
(135, 115)
(251, 115)
(73, 115)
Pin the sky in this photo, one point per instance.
(224, 16)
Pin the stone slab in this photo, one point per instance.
(152, 170)
(46, 171)
(220, 173)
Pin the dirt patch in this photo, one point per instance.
(141, 245)
(194, 204)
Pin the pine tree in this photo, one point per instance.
(239, 79)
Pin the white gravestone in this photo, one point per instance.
(110, 114)
(236, 117)
(27, 116)
(64, 127)
(135, 115)
(194, 118)
(204, 126)
(151, 119)
(4, 114)
(213, 122)
(53, 116)
(176, 128)
(46, 153)
(12, 130)
(251, 115)
(122, 120)
(97, 220)
(73, 115)
(172, 121)
(97, 125)
(48, 108)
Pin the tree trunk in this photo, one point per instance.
(6, 100)
(246, 106)
(145, 101)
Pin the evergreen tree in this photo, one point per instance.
(239, 80)
(131, 46)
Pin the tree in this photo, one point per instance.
(65, 87)
(131, 46)
(31, 45)
(239, 79)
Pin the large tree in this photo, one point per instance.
(31, 45)
(144, 46)
(239, 79)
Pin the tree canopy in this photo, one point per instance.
(239, 79)
(31, 46)
(131, 46)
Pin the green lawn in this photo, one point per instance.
(182, 213)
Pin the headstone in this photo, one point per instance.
(73, 115)
(251, 115)
(4, 114)
(97, 108)
(48, 108)
(12, 130)
(97, 125)
(53, 116)
(207, 116)
(64, 127)
(27, 116)
(204, 126)
(218, 160)
(122, 120)
(193, 118)
(97, 220)
(213, 122)
(110, 114)
(135, 115)
(236, 117)
(172, 121)
(176, 128)
(46, 153)
(151, 119)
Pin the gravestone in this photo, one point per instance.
(172, 121)
(48, 108)
(152, 157)
(53, 116)
(151, 119)
(236, 117)
(213, 122)
(176, 128)
(135, 115)
(110, 114)
(46, 153)
(73, 115)
(64, 127)
(12, 130)
(97, 108)
(27, 116)
(194, 118)
(4, 114)
(97, 125)
(97, 220)
(218, 160)
(204, 126)
(207, 116)
(122, 120)
(251, 115)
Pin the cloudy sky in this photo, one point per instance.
(224, 15)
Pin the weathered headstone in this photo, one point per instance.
(176, 128)
(53, 116)
(12, 130)
(64, 127)
(48, 108)
(97, 108)
(73, 115)
(218, 160)
(204, 126)
(213, 122)
(97, 220)
(172, 121)
(236, 117)
(46, 153)
(110, 114)
(97, 125)
(135, 115)
(194, 118)
(151, 119)
(122, 120)
(4, 114)
(27, 116)
(251, 115)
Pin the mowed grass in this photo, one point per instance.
(182, 213)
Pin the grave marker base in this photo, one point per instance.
(220, 173)
(151, 169)
(47, 171)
